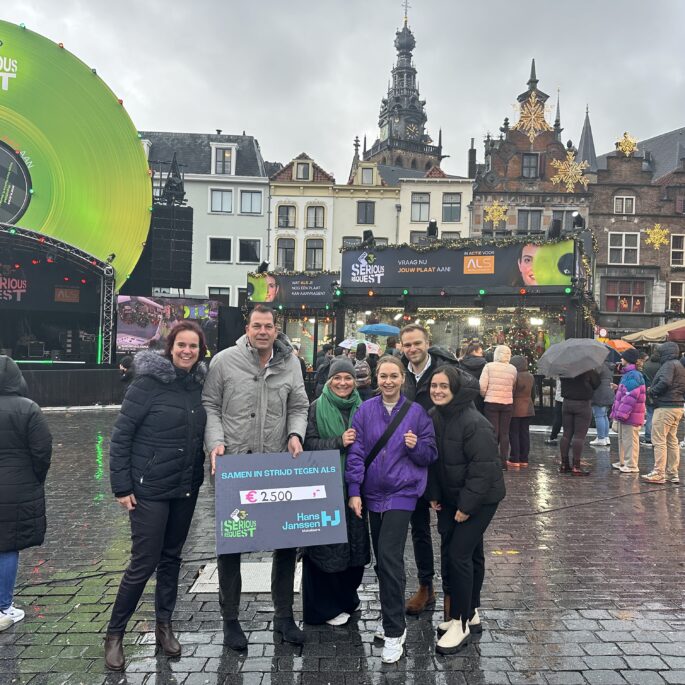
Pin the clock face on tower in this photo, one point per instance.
(412, 130)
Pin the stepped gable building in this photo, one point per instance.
(638, 217)
(529, 177)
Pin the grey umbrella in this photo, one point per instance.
(572, 357)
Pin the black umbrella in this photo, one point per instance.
(572, 357)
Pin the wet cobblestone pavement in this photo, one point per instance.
(584, 585)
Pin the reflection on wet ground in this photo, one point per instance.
(584, 585)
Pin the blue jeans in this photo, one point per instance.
(9, 562)
(601, 421)
(648, 423)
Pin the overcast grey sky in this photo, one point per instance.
(305, 75)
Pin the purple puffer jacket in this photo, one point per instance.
(397, 477)
(629, 406)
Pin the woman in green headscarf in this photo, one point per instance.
(332, 574)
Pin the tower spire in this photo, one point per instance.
(533, 80)
(557, 119)
(586, 146)
(406, 6)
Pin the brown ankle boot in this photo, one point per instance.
(114, 652)
(166, 640)
(422, 598)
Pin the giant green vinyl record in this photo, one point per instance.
(71, 163)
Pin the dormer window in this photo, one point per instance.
(302, 171)
(367, 176)
(529, 166)
(223, 158)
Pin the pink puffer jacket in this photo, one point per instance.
(498, 378)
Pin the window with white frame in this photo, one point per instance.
(249, 250)
(302, 171)
(676, 296)
(315, 216)
(285, 253)
(678, 250)
(314, 255)
(220, 294)
(222, 160)
(420, 206)
(529, 221)
(624, 295)
(367, 176)
(418, 237)
(286, 216)
(624, 204)
(381, 241)
(351, 240)
(220, 250)
(250, 201)
(221, 201)
(624, 248)
(450, 235)
(451, 207)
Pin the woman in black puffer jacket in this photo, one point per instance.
(156, 470)
(25, 451)
(465, 485)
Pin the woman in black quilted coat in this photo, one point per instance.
(156, 470)
(25, 451)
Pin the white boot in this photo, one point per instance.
(475, 626)
(456, 637)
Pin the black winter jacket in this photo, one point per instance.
(468, 472)
(581, 387)
(668, 385)
(420, 392)
(473, 364)
(25, 452)
(156, 450)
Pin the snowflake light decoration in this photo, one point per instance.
(570, 172)
(627, 145)
(657, 236)
(495, 213)
(532, 117)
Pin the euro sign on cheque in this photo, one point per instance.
(272, 501)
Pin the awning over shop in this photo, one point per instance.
(675, 331)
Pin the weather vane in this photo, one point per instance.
(406, 6)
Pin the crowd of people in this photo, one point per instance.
(418, 431)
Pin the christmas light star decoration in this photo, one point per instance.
(532, 117)
(495, 213)
(627, 145)
(570, 172)
(657, 236)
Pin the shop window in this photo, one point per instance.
(220, 294)
(366, 212)
(624, 296)
(221, 201)
(678, 250)
(420, 206)
(249, 250)
(676, 298)
(285, 253)
(315, 217)
(624, 204)
(451, 207)
(529, 166)
(220, 249)
(314, 255)
(286, 216)
(529, 221)
(624, 248)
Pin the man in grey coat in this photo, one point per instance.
(255, 400)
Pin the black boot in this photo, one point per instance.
(166, 640)
(114, 651)
(234, 636)
(289, 630)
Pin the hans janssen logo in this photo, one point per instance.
(365, 269)
(8, 70)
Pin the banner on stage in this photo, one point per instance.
(272, 501)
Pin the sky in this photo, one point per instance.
(306, 76)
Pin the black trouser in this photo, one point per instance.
(463, 558)
(388, 537)
(158, 532)
(519, 437)
(231, 583)
(556, 421)
(422, 541)
(576, 418)
(499, 415)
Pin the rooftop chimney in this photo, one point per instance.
(472, 161)
(218, 132)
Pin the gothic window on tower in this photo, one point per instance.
(451, 207)
(314, 255)
(286, 216)
(366, 212)
(529, 166)
(529, 221)
(315, 216)
(285, 253)
(367, 176)
(420, 206)
(302, 171)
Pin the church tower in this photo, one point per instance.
(402, 139)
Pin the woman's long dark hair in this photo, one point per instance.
(186, 326)
(452, 378)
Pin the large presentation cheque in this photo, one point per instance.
(272, 501)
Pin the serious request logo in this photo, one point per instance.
(365, 269)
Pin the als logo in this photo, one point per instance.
(8, 70)
(238, 525)
(365, 269)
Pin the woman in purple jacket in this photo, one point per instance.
(390, 488)
(629, 411)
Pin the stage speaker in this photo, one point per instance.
(171, 246)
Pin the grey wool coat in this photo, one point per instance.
(250, 408)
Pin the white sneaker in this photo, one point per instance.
(12, 612)
(600, 442)
(393, 648)
(379, 633)
(454, 639)
(654, 477)
(617, 465)
(673, 479)
(628, 469)
(682, 444)
(340, 620)
(5, 623)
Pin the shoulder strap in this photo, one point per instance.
(392, 427)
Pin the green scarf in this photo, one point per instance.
(329, 420)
